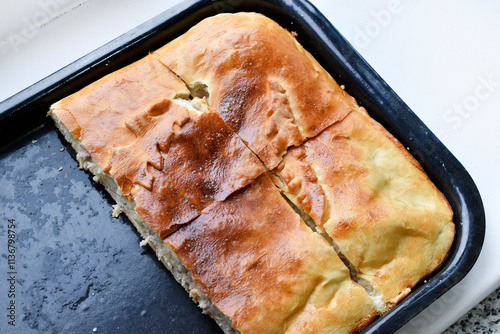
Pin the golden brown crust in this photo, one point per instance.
(203, 162)
(201, 189)
(114, 99)
(266, 270)
(374, 200)
(172, 161)
(271, 91)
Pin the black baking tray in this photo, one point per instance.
(78, 269)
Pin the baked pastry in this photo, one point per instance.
(361, 187)
(189, 140)
(274, 108)
(171, 159)
(262, 82)
(207, 207)
(268, 271)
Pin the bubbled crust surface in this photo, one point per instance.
(266, 270)
(271, 91)
(172, 161)
(203, 162)
(364, 189)
(96, 115)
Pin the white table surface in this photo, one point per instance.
(441, 57)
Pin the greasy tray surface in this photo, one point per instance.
(79, 268)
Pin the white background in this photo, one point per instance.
(441, 57)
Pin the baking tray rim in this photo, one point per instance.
(396, 116)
